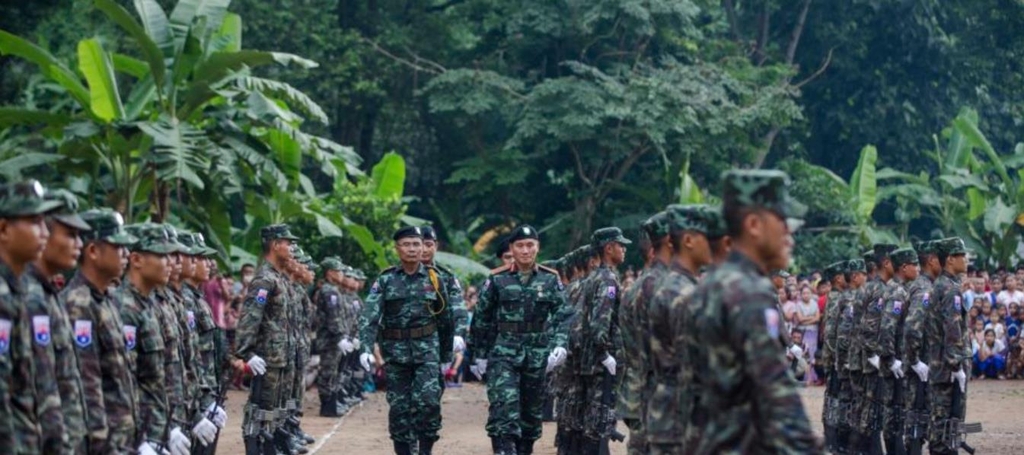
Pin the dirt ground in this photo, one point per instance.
(999, 405)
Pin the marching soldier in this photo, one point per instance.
(330, 338)
(915, 349)
(836, 274)
(517, 303)
(877, 344)
(904, 261)
(848, 359)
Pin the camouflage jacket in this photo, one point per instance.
(833, 311)
(510, 301)
(946, 330)
(869, 331)
(264, 327)
(915, 346)
(107, 383)
(170, 311)
(44, 323)
(848, 304)
(598, 320)
(670, 403)
(747, 394)
(301, 309)
(399, 301)
(330, 317)
(638, 377)
(890, 336)
(19, 423)
(455, 299)
(144, 340)
(856, 357)
(200, 321)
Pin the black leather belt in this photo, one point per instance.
(410, 334)
(520, 327)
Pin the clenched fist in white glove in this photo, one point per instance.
(961, 378)
(481, 366)
(897, 368)
(921, 369)
(459, 344)
(179, 443)
(796, 351)
(346, 346)
(875, 361)
(355, 343)
(146, 449)
(205, 431)
(257, 365)
(609, 364)
(365, 359)
(556, 358)
(217, 415)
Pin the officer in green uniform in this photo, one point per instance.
(402, 312)
(517, 303)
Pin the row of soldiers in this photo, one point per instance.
(123, 359)
(896, 351)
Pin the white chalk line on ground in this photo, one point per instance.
(334, 431)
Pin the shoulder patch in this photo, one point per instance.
(129, 337)
(503, 268)
(956, 303)
(375, 289)
(486, 286)
(611, 292)
(924, 300)
(83, 333)
(897, 307)
(191, 316)
(5, 335)
(261, 296)
(41, 329)
(334, 300)
(771, 321)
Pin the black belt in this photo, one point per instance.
(410, 334)
(520, 327)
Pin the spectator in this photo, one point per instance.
(977, 334)
(789, 309)
(807, 318)
(990, 357)
(997, 324)
(797, 355)
(1015, 359)
(974, 314)
(967, 291)
(995, 287)
(824, 287)
(1010, 292)
(217, 294)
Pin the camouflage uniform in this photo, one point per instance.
(568, 396)
(915, 347)
(746, 392)
(876, 336)
(144, 341)
(329, 332)
(509, 330)
(108, 386)
(949, 348)
(199, 318)
(44, 323)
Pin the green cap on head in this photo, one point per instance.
(359, 274)
(107, 226)
(782, 273)
(172, 234)
(903, 256)
(883, 250)
(835, 269)
(201, 242)
(759, 188)
(26, 198)
(856, 265)
(188, 240)
(606, 235)
(67, 213)
(276, 232)
(715, 221)
(331, 263)
(657, 226)
(153, 238)
(687, 218)
(926, 248)
(951, 246)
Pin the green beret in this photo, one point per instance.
(903, 256)
(950, 247)
(107, 226)
(856, 265)
(25, 198)
(759, 188)
(606, 235)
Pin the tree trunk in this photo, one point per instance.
(586, 207)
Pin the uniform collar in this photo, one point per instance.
(12, 281)
(47, 283)
(745, 263)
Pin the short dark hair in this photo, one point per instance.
(734, 220)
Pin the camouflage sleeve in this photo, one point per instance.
(952, 333)
(557, 320)
(18, 431)
(251, 318)
(870, 324)
(913, 329)
(887, 333)
(87, 349)
(828, 351)
(458, 306)
(369, 321)
(784, 424)
(482, 331)
(606, 297)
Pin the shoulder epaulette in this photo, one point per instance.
(388, 270)
(442, 269)
(548, 269)
(503, 268)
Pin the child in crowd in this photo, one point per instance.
(989, 357)
(797, 355)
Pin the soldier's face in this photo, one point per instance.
(201, 272)
(188, 266)
(507, 258)
(857, 279)
(108, 259)
(774, 240)
(24, 238)
(153, 268)
(958, 263)
(429, 248)
(409, 249)
(910, 271)
(174, 263)
(525, 251)
(63, 247)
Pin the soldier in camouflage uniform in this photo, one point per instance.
(107, 385)
(149, 268)
(348, 367)
(517, 303)
(451, 283)
(672, 344)
(402, 309)
(915, 350)
(293, 381)
(264, 340)
(61, 412)
(746, 392)
(23, 234)
(850, 390)
(904, 262)
(836, 274)
(568, 401)
(877, 346)
(329, 336)
(949, 349)
(638, 378)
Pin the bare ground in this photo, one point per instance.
(999, 405)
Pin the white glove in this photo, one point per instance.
(365, 359)
(205, 431)
(609, 364)
(346, 346)
(961, 378)
(556, 358)
(355, 343)
(459, 344)
(921, 369)
(875, 361)
(797, 351)
(179, 443)
(217, 415)
(481, 365)
(146, 449)
(257, 365)
(897, 368)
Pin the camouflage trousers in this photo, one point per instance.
(516, 390)
(637, 443)
(858, 400)
(877, 391)
(667, 415)
(894, 415)
(414, 396)
(327, 375)
(274, 389)
(343, 385)
(299, 378)
(909, 404)
(599, 410)
(942, 409)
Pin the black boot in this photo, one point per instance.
(524, 447)
(283, 442)
(426, 447)
(328, 406)
(402, 448)
(503, 446)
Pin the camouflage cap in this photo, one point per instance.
(201, 242)
(657, 226)
(687, 218)
(856, 265)
(835, 269)
(951, 246)
(153, 238)
(759, 188)
(331, 263)
(107, 226)
(25, 198)
(868, 256)
(715, 221)
(783, 273)
(883, 250)
(172, 234)
(187, 239)
(903, 256)
(926, 248)
(277, 231)
(67, 213)
(606, 235)
(359, 274)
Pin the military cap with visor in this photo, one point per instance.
(951, 246)
(332, 264)
(187, 240)
(201, 242)
(715, 221)
(902, 257)
(856, 265)
(67, 212)
(428, 233)
(27, 198)
(277, 232)
(760, 189)
(926, 248)
(523, 232)
(153, 238)
(606, 235)
(657, 226)
(172, 234)
(687, 218)
(107, 226)
(883, 250)
(835, 269)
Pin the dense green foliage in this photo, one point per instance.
(572, 114)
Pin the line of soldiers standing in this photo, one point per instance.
(126, 357)
(896, 350)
